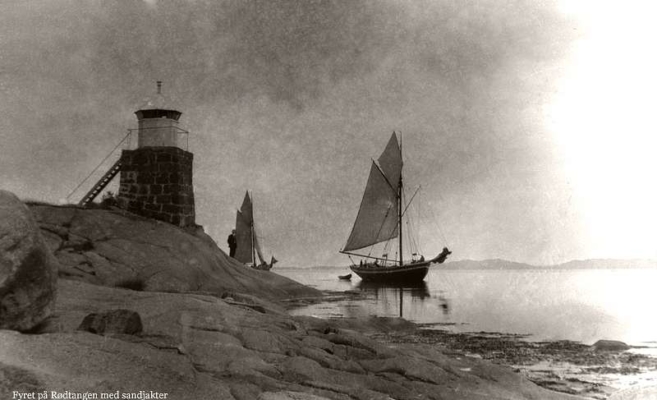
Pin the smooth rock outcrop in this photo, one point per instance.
(28, 271)
(115, 248)
(204, 347)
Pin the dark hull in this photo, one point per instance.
(408, 273)
(262, 267)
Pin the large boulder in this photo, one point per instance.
(610, 345)
(115, 248)
(28, 271)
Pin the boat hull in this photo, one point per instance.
(262, 267)
(398, 274)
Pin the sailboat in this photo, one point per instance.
(248, 247)
(380, 219)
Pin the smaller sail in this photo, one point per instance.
(243, 232)
(246, 237)
(256, 244)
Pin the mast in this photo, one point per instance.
(252, 245)
(252, 234)
(400, 206)
(399, 218)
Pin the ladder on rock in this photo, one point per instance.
(101, 184)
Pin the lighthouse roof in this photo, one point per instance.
(158, 101)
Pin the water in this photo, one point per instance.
(583, 305)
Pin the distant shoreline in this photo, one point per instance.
(510, 265)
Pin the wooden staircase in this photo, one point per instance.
(101, 184)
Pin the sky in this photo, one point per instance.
(527, 124)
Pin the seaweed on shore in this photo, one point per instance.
(562, 365)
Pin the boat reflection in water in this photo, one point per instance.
(423, 302)
(389, 299)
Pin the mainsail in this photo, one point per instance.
(245, 236)
(378, 217)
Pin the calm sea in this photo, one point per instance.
(580, 305)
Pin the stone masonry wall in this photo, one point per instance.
(156, 182)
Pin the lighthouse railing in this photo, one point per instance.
(181, 137)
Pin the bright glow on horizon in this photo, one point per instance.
(602, 126)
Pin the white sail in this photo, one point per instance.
(256, 244)
(377, 219)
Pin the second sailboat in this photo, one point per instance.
(248, 247)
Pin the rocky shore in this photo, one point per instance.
(601, 371)
(145, 310)
(608, 369)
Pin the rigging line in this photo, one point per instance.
(435, 220)
(98, 166)
(388, 247)
(410, 229)
(410, 225)
(384, 177)
(411, 200)
(419, 218)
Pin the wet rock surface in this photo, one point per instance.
(595, 371)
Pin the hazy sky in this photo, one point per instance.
(527, 123)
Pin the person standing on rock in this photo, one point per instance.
(232, 243)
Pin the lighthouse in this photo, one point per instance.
(156, 177)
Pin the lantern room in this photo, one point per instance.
(158, 123)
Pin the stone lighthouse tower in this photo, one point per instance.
(156, 178)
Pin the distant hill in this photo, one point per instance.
(575, 264)
(485, 264)
(608, 263)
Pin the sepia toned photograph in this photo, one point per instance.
(328, 200)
